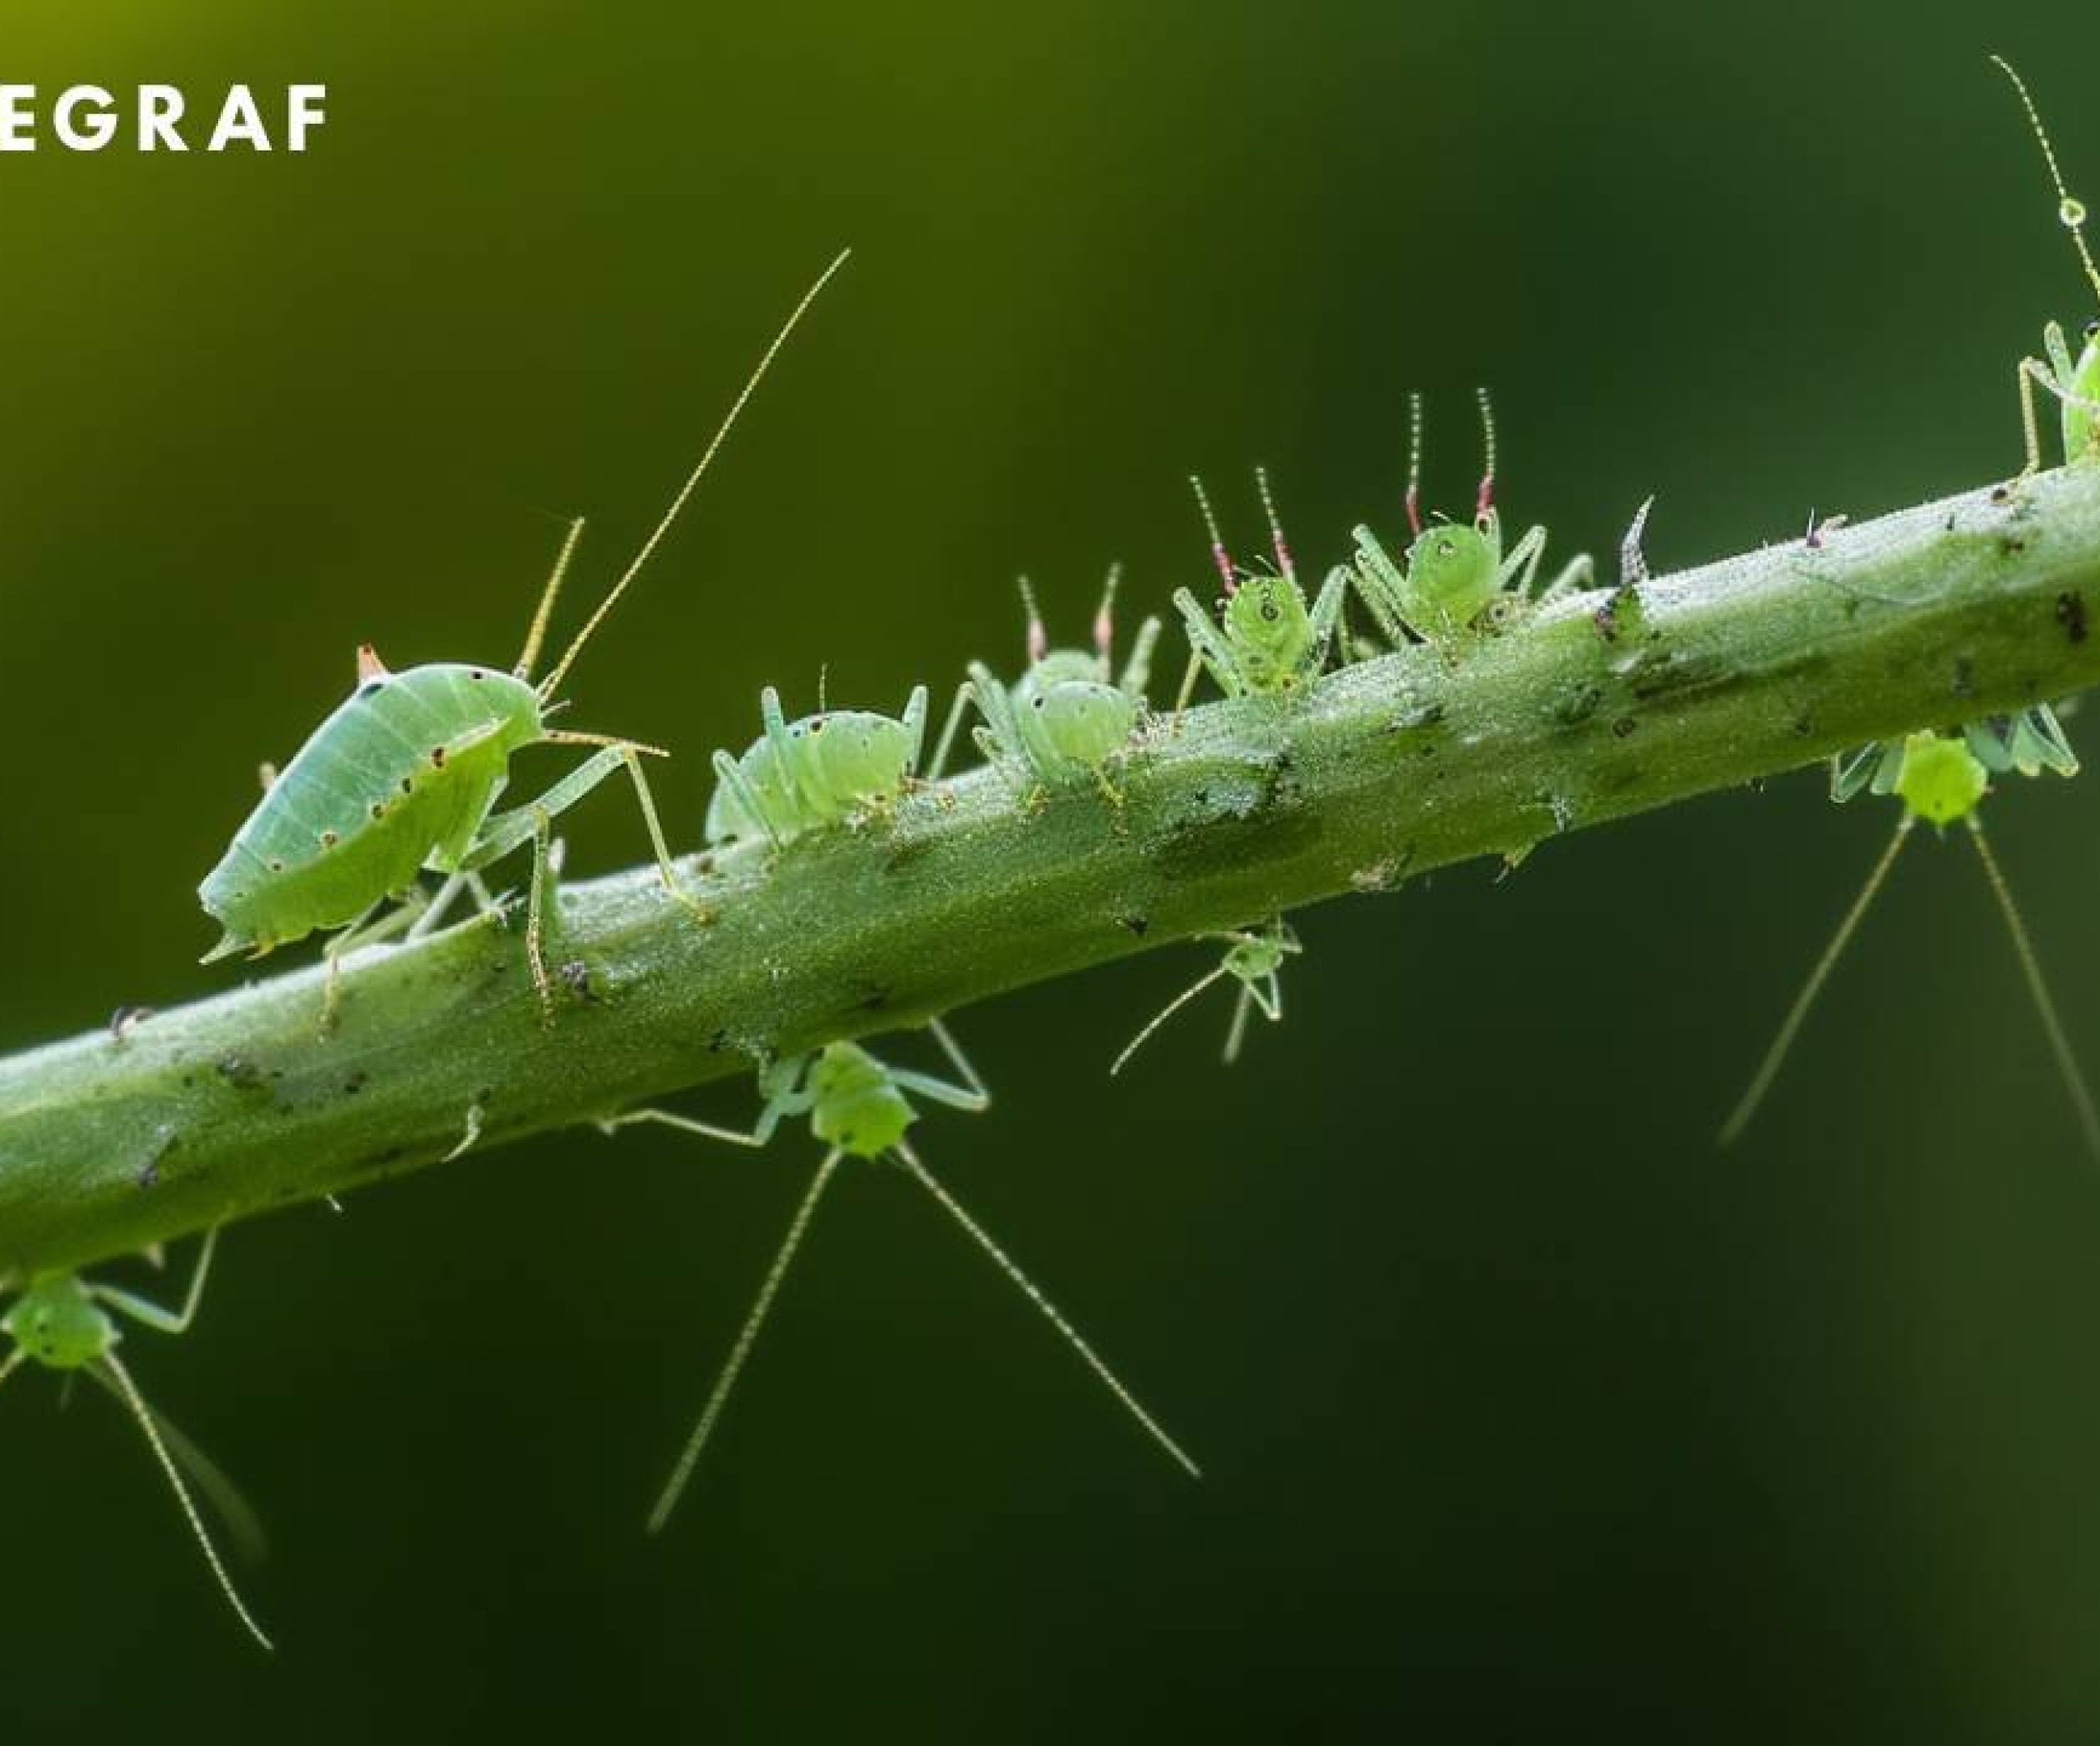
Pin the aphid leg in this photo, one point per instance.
(1775, 1056)
(1029, 1289)
(1326, 615)
(147, 1312)
(471, 1134)
(2074, 1081)
(1207, 648)
(1579, 572)
(1381, 584)
(731, 775)
(1187, 691)
(966, 698)
(1165, 1012)
(914, 722)
(1137, 670)
(1264, 993)
(1520, 567)
(536, 916)
(972, 1096)
(11, 1363)
(747, 1336)
(119, 1379)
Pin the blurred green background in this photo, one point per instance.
(1524, 1410)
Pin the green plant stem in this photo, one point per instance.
(1712, 678)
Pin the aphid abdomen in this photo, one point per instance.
(851, 757)
(399, 775)
(1073, 725)
(2079, 429)
(857, 1106)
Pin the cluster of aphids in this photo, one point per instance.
(403, 777)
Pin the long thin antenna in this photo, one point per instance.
(1768, 1070)
(144, 1414)
(1275, 525)
(2069, 209)
(1219, 556)
(553, 682)
(2073, 1080)
(1484, 501)
(761, 1306)
(1038, 636)
(1166, 1012)
(536, 633)
(1415, 461)
(1104, 618)
(983, 1240)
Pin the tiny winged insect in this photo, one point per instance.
(800, 775)
(1454, 581)
(403, 777)
(1070, 713)
(64, 1323)
(2074, 382)
(1941, 778)
(1254, 958)
(860, 1107)
(1264, 642)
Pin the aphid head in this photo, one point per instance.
(1267, 617)
(1451, 574)
(1941, 779)
(859, 1108)
(57, 1324)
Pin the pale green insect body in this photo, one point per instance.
(1070, 714)
(396, 781)
(799, 776)
(1942, 779)
(1454, 581)
(62, 1322)
(1265, 641)
(860, 1106)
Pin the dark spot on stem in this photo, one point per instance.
(1623, 726)
(1965, 679)
(1138, 925)
(2071, 613)
(238, 1071)
(330, 840)
(356, 1082)
(2010, 545)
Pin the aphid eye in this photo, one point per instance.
(1269, 611)
(816, 724)
(1038, 703)
(1444, 549)
(371, 686)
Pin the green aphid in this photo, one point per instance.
(1454, 581)
(858, 1107)
(1069, 715)
(64, 1322)
(1942, 779)
(2075, 383)
(1264, 642)
(1254, 958)
(798, 776)
(403, 777)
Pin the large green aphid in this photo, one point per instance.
(2075, 383)
(402, 779)
(1942, 779)
(860, 1107)
(1454, 579)
(800, 775)
(1264, 642)
(1253, 958)
(1070, 713)
(64, 1322)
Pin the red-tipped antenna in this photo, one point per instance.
(1104, 616)
(1414, 463)
(1219, 555)
(1484, 504)
(1275, 525)
(1038, 640)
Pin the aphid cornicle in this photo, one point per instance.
(817, 770)
(1070, 713)
(1942, 779)
(402, 777)
(1264, 642)
(2074, 382)
(860, 1107)
(63, 1323)
(1454, 579)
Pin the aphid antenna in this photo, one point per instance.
(537, 635)
(1210, 979)
(1221, 559)
(1275, 525)
(823, 681)
(1038, 638)
(552, 683)
(1415, 461)
(1484, 501)
(2069, 209)
(1104, 616)
(1029, 1289)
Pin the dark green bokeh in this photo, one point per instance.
(1522, 1406)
